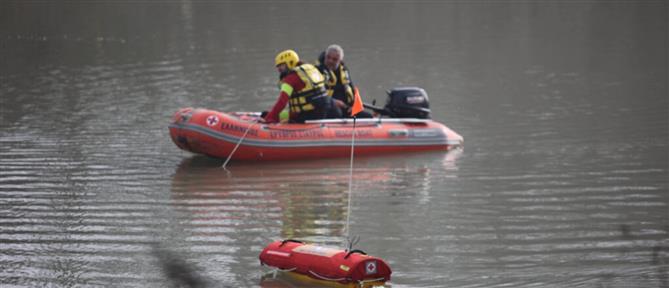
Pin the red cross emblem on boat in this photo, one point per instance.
(370, 267)
(212, 120)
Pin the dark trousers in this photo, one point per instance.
(360, 115)
(325, 109)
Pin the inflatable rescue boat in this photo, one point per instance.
(408, 128)
(324, 264)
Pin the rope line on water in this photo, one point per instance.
(238, 143)
(350, 186)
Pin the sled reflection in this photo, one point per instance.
(294, 280)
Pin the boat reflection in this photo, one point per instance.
(306, 200)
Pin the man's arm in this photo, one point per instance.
(284, 95)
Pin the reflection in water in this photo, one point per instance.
(287, 194)
(308, 199)
(289, 280)
(179, 272)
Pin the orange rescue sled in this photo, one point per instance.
(326, 264)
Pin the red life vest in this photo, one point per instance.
(324, 263)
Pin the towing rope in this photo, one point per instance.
(277, 269)
(326, 278)
(350, 186)
(238, 142)
(361, 283)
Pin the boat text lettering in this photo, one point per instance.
(228, 126)
(349, 133)
(296, 134)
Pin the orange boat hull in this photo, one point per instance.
(216, 134)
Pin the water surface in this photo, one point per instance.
(562, 181)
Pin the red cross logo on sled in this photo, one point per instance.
(212, 120)
(370, 268)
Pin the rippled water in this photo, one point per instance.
(563, 181)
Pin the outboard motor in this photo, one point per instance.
(408, 102)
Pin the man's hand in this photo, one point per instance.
(261, 119)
